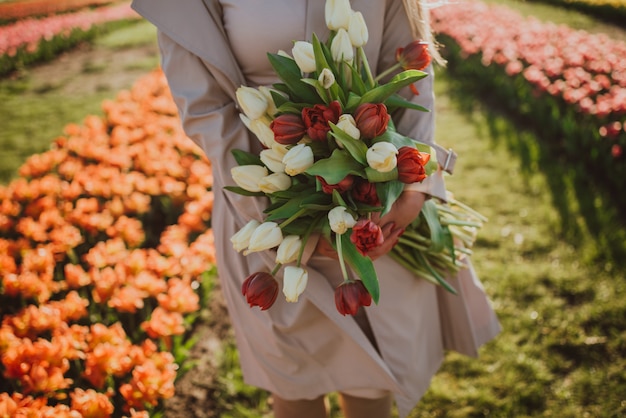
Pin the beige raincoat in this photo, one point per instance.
(305, 349)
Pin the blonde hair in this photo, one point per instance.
(420, 27)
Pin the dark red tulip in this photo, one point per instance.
(350, 296)
(260, 289)
(414, 56)
(371, 119)
(343, 186)
(366, 235)
(316, 119)
(288, 128)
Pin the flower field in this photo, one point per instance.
(32, 40)
(568, 85)
(14, 9)
(104, 244)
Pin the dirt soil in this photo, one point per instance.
(114, 71)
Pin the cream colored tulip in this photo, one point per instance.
(341, 47)
(289, 249)
(340, 220)
(382, 156)
(326, 78)
(298, 159)
(265, 236)
(273, 159)
(347, 124)
(252, 102)
(357, 29)
(294, 282)
(337, 14)
(304, 56)
(241, 239)
(267, 93)
(275, 182)
(247, 176)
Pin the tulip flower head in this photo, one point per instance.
(304, 56)
(241, 239)
(340, 220)
(337, 14)
(265, 236)
(414, 56)
(294, 282)
(252, 102)
(411, 164)
(260, 289)
(382, 156)
(298, 159)
(350, 296)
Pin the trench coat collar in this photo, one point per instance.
(189, 24)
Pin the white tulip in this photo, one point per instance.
(304, 56)
(357, 29)
(294, 282)
(340, 220)
(247, 176)
(347, 124)
(298, 159)
(341, 47)
(273, 159)
(241, 239)
(382, 156)
(337, 14)
(289, 249)
(265, 236)
(267, 93)
(252, 102)
(326, 78)
(275, 182)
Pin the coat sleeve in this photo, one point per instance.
(210, 119)
(412, 123)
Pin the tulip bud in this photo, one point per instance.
(347, 124)
(414, 56)
(289, 249)
(326, 78)
(340, 220)
(343, 186)
(337, 14)
(382, 156)
(304, 56)
(366, 235)
(357, 29)
(350, 296)
(260, 289)
(411, 164)
(261, 128)
(371, 119)
(294, 282)
(265, 236)
(252, 102)
(273, 159)
(267, 93)
(341, 47)
(275, 182)
(288, 128)
(241, 239)
(247, 176)
(298, 159)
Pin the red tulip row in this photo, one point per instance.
(104, 245)
(20, 9)
(569, 84)
(31, 40)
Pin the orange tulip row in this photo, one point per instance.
(104, 240)
(20, 9)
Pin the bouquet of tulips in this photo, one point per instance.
(331, 159)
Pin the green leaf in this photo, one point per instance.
(246, 158)
(381, 93)
(396, 101)
(437, 234)
(336, 167)
(374, 176)
(388, 192)
(243, 192)
(289, 72)
(355, 147)
(362, 266)
(440, 280)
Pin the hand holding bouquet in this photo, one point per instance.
(332, 159)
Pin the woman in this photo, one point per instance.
(302, 351)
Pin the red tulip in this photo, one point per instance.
(288, 129)
(260, 289)
(414, 56)
(371, 119)
(350, 296)
(316, 119)
(411, 164)
(365, 192)
(343, 186)
(366, 235)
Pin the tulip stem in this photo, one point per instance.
(366, 66)
(388, 71)
(342, 263)
(276, 268)
(292, 218)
